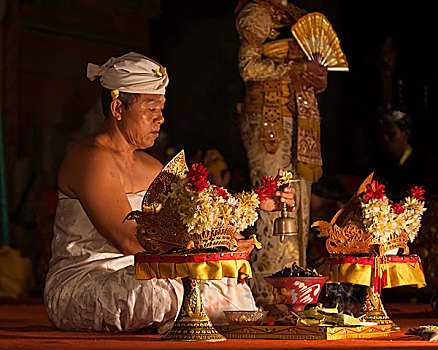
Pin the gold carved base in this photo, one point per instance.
(193, 323)
(374, 310)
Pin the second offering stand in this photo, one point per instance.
(192, 323)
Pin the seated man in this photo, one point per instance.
(91, 281)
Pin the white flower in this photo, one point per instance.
(205, 210)
(381, 221)
(286, 179)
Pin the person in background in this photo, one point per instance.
(280, 125)
(218, 172)
(398, 166)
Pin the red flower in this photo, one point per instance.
(397, 208)
(221, 192)
(374, 191)
(417, 192)
(197, 177)
(267, 189)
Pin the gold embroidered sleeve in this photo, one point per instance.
(253, 25)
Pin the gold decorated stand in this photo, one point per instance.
(360, 258)
(193, 323)
(375, 273)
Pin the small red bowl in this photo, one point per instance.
(296, 291)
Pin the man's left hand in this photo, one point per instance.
(244, 245)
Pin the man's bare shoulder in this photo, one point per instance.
(88, 150)
(150, 166)
(85, 157)
(149, 161)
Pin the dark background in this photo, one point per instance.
(47, 102)
(198, 42)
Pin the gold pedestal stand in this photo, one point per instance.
(192, 324)
(374, 310)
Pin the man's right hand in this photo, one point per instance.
(314, 67)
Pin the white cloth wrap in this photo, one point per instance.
(91, 286)
(132, 72)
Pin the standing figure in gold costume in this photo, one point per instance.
(280, 126)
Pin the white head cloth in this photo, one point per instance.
(132, 72)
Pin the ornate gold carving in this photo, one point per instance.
(174, 170)
(347, 235)
(159, 228)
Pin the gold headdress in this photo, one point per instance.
(160, 228)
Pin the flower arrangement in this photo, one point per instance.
(381, 217)
(203, 206)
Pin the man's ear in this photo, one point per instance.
(116, 109)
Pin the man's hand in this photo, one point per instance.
(285, 196)
(316, 76)
(244, 245)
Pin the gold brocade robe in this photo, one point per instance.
(271, 63)
(279, 126)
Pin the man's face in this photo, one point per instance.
(141, 123)
(393, 139)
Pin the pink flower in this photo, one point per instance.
(417, 192)
(397, 208)
(374, 191)
(197, 177)
(267, 189)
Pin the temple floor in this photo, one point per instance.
(24, 325)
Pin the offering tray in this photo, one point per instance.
(304, 332)
(193, 323)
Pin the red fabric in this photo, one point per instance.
(189, 258)
(370, 260)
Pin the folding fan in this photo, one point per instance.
(317, 38)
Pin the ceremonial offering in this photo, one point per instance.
(383, 218)
(248, 318)
(182, 210)
(372, 224)
(320, 316)
(296, 286)
(296, 271)
(364, 234)
(317, 38)
(187, 228)
(428, 332)
(296, 292)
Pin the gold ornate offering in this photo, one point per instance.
(371, 224)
